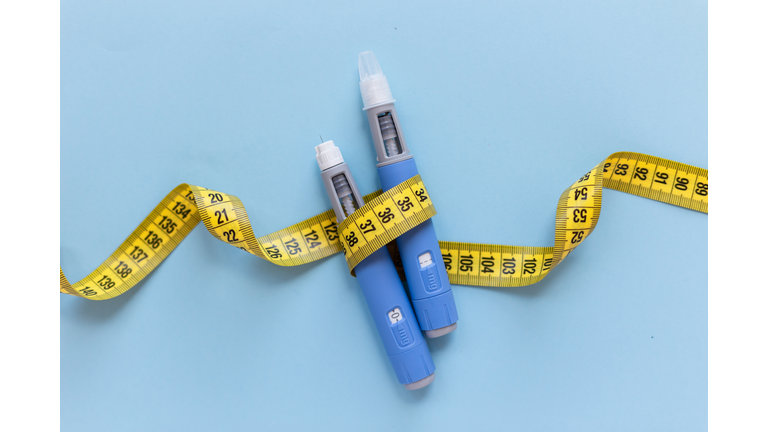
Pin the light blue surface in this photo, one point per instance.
(505, 105)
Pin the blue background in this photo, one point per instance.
(504, 105)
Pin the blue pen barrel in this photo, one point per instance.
(391, 311)
(428, 283)
(383, 290)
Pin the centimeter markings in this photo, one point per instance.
(508, 266)
(385, 216)
(148, 245)
(495, 265)
(658, 179)
(226, 219)
(578, 211)
(312, 239)
(577, 214)
(307, 241)
(383, 219)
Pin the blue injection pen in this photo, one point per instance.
(420, 252)
(384, 292)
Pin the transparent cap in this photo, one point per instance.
(374, 86)
(368, 66)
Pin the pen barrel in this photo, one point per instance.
(394, 318)
(384, 292)
(422, 259)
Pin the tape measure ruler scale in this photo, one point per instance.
(384, 217)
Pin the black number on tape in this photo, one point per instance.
(167, 224)
(222, 213)
(330, 231)
(547, 264)
(421, 194)
(405, 204)
(352, 239)
(181, 210)
(579, 215)
(508, 266)
(106, 282)
(701, 189)
(88, 291)
(529, 266)
(681, 183)
(580, 193)
(153, 240)
(386, 216)
(465, 264)
(368, 224)
(231, 236)
(641, 173)
(273, 252)
(292, 246)
(487, 263)
(448, 260)
(123, 270)
(138, 254)
(312, 239)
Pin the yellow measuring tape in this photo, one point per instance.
(384, 217)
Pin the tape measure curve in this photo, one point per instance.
(225, 217)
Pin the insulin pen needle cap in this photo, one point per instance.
(373, 84)
(328, 155)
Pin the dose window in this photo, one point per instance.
(395, 315)
(425, 259)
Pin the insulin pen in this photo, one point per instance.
(420, 252)
(406, 348)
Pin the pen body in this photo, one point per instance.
(428, 283)
(384, 293)
(394, 317)
(427, 277)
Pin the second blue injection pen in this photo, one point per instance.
(428, 283)
(381, 285)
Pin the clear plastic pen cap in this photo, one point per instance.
(368, 66)
(374, 86)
